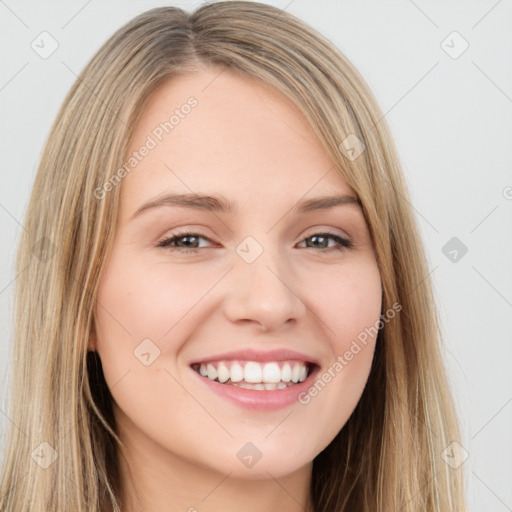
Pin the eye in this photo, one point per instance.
(190, 242)
(323, 238)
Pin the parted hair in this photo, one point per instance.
(387, 457)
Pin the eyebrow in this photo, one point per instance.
(221, 204)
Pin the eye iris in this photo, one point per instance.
(316, 237)
(188, 237)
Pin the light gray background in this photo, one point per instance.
(450, 117)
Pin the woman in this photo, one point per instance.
(225, 300)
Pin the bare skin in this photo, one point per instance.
(306, 293)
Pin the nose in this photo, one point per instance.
(263, 292)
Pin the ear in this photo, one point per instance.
(91, 347)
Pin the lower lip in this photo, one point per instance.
(259, 400)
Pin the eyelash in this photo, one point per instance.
(343, 243)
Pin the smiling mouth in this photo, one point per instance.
(268, 376)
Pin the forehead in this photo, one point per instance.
(242, 139)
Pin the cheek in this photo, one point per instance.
(354, 317)
(141, 316)
(137, 301)
(350, 310)
(349, 302)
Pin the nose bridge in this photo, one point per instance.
(261, 286)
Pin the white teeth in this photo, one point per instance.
(223, 372)
(254, 375)
(252, 372)
(237, 372)
(286, 373)
(212, 372)
(246, 385)
(271, 373)
(295, 373)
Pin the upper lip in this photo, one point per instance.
(252, 354)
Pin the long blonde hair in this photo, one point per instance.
(388, 455)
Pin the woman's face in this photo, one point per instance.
(258, 292)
